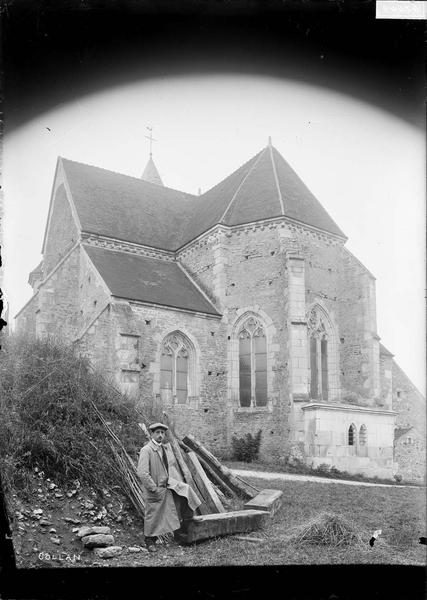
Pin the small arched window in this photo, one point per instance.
(174, 367)
(252, 363)
(352, 433)
(363, 435)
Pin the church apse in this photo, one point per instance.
(236, 310)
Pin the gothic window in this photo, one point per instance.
(175, 367)
(252, 363)
(352, 435)
(363, 433)
(318, 336)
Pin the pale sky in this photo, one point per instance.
(365, 166)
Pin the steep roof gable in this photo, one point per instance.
(299, 203)
(134, 210)
(264, 187)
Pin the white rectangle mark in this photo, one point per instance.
(390, 9)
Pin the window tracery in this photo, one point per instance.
(319, 339)
(175, 367)
(252, 363)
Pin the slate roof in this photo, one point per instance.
(148, 279)
(127, 208)
(148, 213)
(138, 211)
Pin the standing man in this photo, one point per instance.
(169, 500)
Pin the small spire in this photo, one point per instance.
(150, 172)
(199, 191)
(269, 141)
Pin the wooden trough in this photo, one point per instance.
(214, 483)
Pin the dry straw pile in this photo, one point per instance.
(327, 529)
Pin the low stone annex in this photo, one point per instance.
(239, 309)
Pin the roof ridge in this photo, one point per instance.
(241, 183)
(276, 179)
(196, 285)
(230, 175)
(127, 176)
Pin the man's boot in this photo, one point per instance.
(150, 543)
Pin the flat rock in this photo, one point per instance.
(135, 549)
(92, 529)
(71, 520)
(55, 540)
(110, 552)
(45, 523)
(98, 540)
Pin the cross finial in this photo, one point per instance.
(150, 137)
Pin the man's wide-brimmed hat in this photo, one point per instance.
(155, 426)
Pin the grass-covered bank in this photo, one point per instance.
(47, 417)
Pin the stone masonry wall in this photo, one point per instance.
(92, 293)
(62, 233)
(409, 453)
(256, 280)
(253, 264)
(407, 401)
(358, 336)
(410, 405)
(66, 301)
(386, 375)
(203, 415)
(53, 310)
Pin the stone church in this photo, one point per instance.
(237, 310)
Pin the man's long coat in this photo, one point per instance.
(161, 515)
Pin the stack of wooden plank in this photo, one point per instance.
(216, 486)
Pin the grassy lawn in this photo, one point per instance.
(399, 512)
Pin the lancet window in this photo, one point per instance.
(318, 339)
(175, 367)
(352, 434)
(252, 363)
